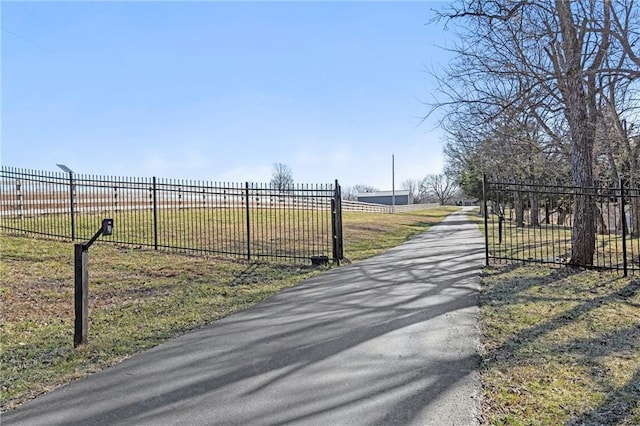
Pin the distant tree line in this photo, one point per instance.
(435, 188)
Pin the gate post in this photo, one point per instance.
(336, 224)
(246, 199)
(486, 220)
(72, 207)
(334, 235)
(155, 214)
(339, 222)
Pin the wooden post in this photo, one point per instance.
(81, 295)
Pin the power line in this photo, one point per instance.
(23, 38)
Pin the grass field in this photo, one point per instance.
(222, 231)
(139, 298)
(560, 346)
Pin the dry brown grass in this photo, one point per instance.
(560, 346)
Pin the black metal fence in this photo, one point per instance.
(245, 220)
(533, 223)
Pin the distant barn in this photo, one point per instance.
(403, 197)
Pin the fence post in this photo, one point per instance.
(336, 224)
(339, 221)
(334, 235)
(246, 200)
(155, 214)
(486, 220)
(624, 230)
(72, 207)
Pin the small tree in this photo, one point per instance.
(282, 177)
(414, 188)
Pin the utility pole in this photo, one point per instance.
(393, 184)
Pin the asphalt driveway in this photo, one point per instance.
(391, 340)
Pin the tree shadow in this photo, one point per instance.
(618, 406)
(382, 341)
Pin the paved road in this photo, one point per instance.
(387, 341)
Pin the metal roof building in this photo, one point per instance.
(402, 197)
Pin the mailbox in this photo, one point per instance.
(107, 226)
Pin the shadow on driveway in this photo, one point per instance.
(389, 340)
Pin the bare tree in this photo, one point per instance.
(351, 192)
(441, 187)
(541, 61)
(617, 150)
(348, 193)
(281, 177)
(361, 188)
(413, 186)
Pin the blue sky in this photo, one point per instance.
(220, 91)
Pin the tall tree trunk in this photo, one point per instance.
(535, 209)
(578, 91)
(583, 237)
(582, 132)
(562, 216)
(547, 213)
(601, 226)
(518, 205)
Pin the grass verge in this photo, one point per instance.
(560, 346)
(368, 234)
(139, 298)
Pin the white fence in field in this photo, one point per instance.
(358, 206)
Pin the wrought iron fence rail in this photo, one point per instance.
(236, 219)
(532, 222)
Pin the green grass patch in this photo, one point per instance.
(368, 234)
(138, 298)
(560, 346)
